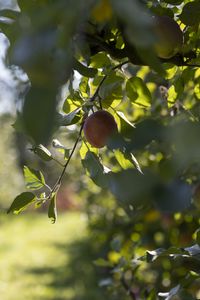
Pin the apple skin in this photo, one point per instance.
(169, 35)
(99, 127)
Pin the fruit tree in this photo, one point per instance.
(123, 77)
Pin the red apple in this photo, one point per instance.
(99, 127)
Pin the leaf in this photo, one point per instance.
(84, 87)
(134, 161)
(39, 113)
(100, 60)
(72, 103)
(127, 160)
(173, 292)
(111, 89)
(123, 119)
(131, 188)
(43, 152)
(34, 179)
(8, 13)
(95, 169)
(70, 118)
(21, 202)
(83, 70)
(52, 211)
(191, 13)
(194, 250)
(65, 151)
(174, 196)
(138, 92)
(124, 162)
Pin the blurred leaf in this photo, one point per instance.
(100, 262)
(145, 132)
(172, 197)
(131, 188)
(52, 210)
(21, 202)
(34, 179)
(138, 92)
(39, 113)
(190, 14)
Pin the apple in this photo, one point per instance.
(169, 37)
(99, 127)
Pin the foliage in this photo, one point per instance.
(101, 55)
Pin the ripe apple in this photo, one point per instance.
(99, 127)
(169, 36)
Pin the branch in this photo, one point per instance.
(59, 180)
(131, 52)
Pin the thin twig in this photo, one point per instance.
(59, 180)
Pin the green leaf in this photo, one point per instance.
(83, 70)
(8, 13)
(69, 119)
(43, 152)
(72, 103)
(100, 60)
(39, 112)
(111, 89)
(191, 13)
(21, 202)
(52, 210)
(34, 179)
(84, 87)
(62, 149)
(138, 92)
(124, 162)
(95, 169)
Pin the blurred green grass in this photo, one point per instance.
(39, 260)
